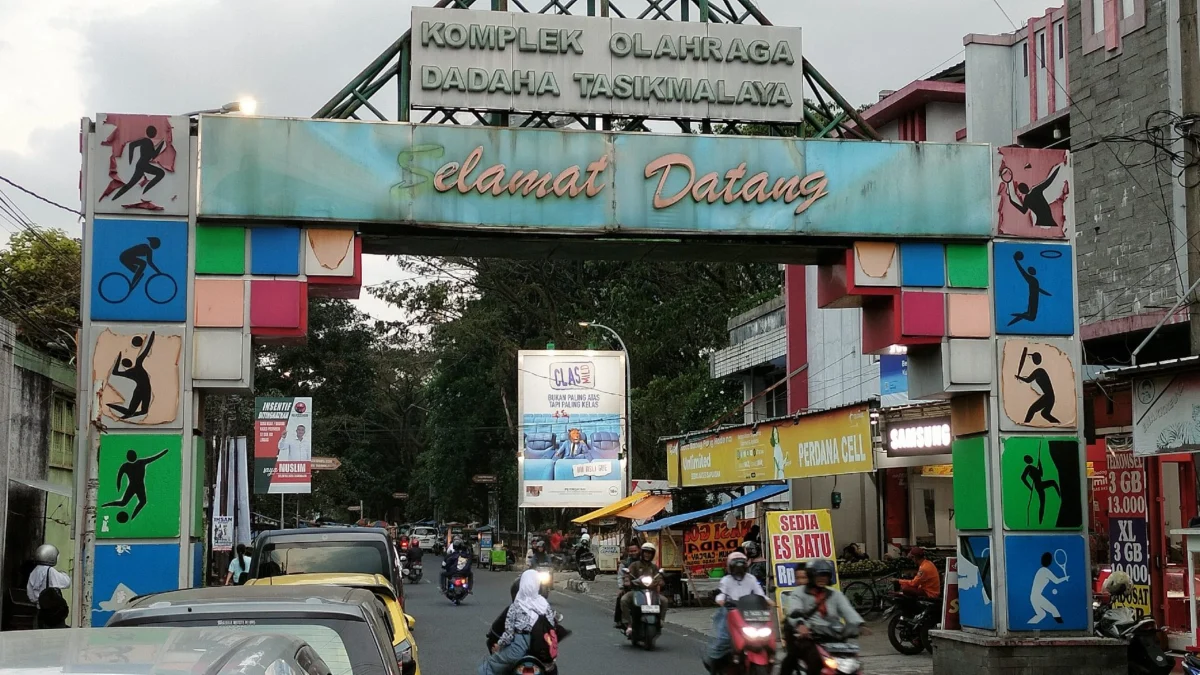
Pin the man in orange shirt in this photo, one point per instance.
(927, 583)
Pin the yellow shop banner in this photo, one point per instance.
(827, 443)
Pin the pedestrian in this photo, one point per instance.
(556, 541)
(239, 567)
(44, 588)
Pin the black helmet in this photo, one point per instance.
(820, 566)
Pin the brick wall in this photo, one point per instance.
(1124, 234)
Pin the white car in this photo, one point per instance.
(426, 537)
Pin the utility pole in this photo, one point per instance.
(1189, 65)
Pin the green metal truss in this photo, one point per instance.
(827, 115)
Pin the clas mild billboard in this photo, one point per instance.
(572, 410)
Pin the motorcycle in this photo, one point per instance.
(1145, 656)
(838, 656)
(545, 579)
(415, 571)
(647, 613)
(457, 589)
(585, 563)
(752, 636)
(529, 665)
(910, 618)
(1191, 664)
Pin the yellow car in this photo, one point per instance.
(402, 640)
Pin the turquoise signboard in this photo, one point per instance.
(581, 182)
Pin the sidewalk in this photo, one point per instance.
(877, 654)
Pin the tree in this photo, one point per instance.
(39, 289)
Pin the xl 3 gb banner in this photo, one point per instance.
(283, 445)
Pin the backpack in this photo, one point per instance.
(244, 576)
(543, 641)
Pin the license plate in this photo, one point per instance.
(590, 567)
(404, 572)
(650, 609)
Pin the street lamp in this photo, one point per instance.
(628, 402)
(245, 105)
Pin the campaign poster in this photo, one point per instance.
(282, 445)
(222, 534)
(795, 537)
(572, 412)
(707, 545)
(1128, 539)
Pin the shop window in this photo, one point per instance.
(1129, 15)
(62, 432)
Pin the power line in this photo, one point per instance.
(1006, 16)
(35, 195)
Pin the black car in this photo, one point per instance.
(327, 550)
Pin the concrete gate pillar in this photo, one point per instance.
(169, 310)
(993, 327)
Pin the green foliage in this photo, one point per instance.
(39, 289)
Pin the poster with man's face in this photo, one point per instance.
(282, 445)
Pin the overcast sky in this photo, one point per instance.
(61, 60)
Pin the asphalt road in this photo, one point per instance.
(451, 640)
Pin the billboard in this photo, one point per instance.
(706, 546)
(282, 445)
(572, 410)
(795, 537)
(827, 443)
(1163, 417)
(602, 66)
(495, 179)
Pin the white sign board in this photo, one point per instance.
(1165, 418)
(222, 534)
(572, 409)
(560, 63)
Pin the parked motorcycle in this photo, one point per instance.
(1145, 655)
(585, 563)
(910, 619)
(647, 613)
(1191, 664)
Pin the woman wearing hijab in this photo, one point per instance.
(527, 608)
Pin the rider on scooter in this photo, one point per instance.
(642, 567)
(824, 615)
(538, 557)
(458, 564)
(734, 586)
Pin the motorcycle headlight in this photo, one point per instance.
(756, 633)
(849, 666)
(646, 581)
(543, 578)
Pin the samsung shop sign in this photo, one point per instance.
(919, 438)
(559, 63)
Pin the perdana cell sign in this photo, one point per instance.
(509, 61)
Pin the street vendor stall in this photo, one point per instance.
(706, 545)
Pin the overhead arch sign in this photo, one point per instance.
(551, 181)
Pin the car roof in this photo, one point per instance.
(268, 599)
(369, 581)
(311, 532)
(142, 650)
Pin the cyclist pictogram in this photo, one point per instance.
(160, 287)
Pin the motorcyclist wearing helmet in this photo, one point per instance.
(817, 612)
(44, 588)
(734, 586)
(458, 564)
(584, 546)
(642, 567)
(538, 556)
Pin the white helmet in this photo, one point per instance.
(650, 547)
(585, 539)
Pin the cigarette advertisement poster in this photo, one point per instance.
(795, 537)
(283, 445)
(707, 545)
(572, 409)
